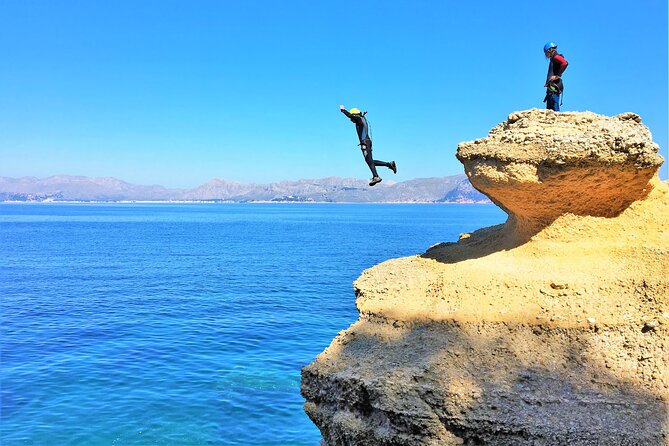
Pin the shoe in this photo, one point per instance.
(393, 166)
(374, 180)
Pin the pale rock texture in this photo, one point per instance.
(551, 329)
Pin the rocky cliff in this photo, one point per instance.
(551, 329)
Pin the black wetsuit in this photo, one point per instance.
(362, 128)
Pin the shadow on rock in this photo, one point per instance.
(486, 384)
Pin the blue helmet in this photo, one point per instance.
(549, 45)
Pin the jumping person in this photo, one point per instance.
(361, 126)
(556, 67)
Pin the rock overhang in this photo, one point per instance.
(539, 164)
(544, 137)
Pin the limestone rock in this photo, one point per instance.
(551, 329)
(539, 164)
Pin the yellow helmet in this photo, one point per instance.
(354, 111)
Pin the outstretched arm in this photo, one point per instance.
(344, 111)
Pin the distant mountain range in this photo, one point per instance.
(451, 189)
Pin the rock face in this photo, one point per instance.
(551, 329)
(539, 165)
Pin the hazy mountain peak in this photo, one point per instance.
(329, 189)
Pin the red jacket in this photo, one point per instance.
(556, 67)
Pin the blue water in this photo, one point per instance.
(171, 324)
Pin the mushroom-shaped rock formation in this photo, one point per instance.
(538, 165)
(551, 329)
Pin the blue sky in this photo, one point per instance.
(179, 92)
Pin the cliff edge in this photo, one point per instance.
(551, 329)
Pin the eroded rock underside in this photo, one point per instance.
(552, 329)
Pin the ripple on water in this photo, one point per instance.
(184, 324)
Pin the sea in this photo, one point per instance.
(185, 324)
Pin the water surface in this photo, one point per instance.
(185, 324)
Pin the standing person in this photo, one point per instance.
(556, 67)
(361, 126)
